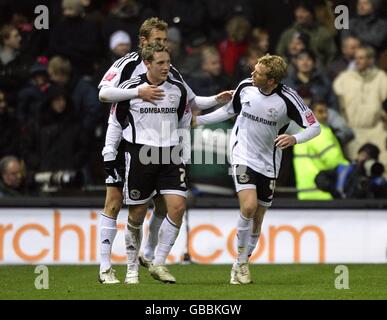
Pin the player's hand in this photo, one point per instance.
(224, 96)
(151, 93)
(111, 168)
(284, 141)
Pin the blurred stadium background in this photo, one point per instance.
(331, 200)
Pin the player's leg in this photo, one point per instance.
(108, 231)
(133, 237)
(245, 185)
(138, 190)
(265, 193)
(256, 228)
(168, 233)
(157, 217)
(172, 185)
(240, 273)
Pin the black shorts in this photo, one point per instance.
(247, 178)
(145, 179)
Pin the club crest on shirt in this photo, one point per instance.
(172, 98)
(135, 194)
(272, 113)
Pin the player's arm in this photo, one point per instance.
(298, 111)
(148, 93)
(113, 138)
(201, 102)
(218, 115)
(123, 69)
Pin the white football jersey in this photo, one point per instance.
(131, 66)
(154, 125)
(261, 118)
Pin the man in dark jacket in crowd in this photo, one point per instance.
(367, 26)
(76, 38)
(14, 66)
(83, 94)
(57, 141)
(9, 128)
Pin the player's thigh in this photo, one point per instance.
(140, 182)
(265, 190)
(245, 186)
(172, 180)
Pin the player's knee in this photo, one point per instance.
(113, 205)
(248, 209)
(177, 209)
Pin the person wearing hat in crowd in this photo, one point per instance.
(321, 41)
(31, 97)
(119, 44)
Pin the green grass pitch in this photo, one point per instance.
(207, 282)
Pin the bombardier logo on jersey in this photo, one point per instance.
(158, 110)
(258, 119)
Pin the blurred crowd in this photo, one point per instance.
(53, 125)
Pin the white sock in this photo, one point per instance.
(167, 237)
(108, 231)
(133, 238)
(153, 236)
(253, 240)
(243, 233)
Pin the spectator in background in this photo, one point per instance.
(32, 96)
(361, 94)
(127, 15)
(174, 44)
(367, 26)
(211, 79)
(321, 41)
(83, 94)
(259, 40)
(322, 153)
(57, 141)
(76, 38)
(346, 60)
(306, 77)
(246, 65)
(235, 45)
(10, 131)
(299, 42)
(192, 61)
(119, 44)
(14, 66)
(11, 177)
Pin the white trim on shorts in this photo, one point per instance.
(129, 201)
(176, 192)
